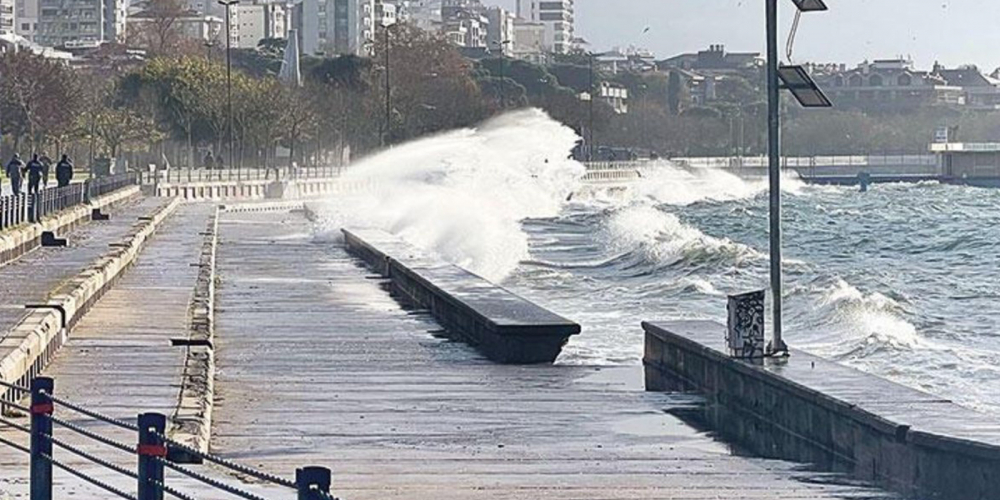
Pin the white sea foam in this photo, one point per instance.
(463, 194)
(664, 239)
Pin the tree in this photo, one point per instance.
(39, 99)
(118, 128)
(158, 27)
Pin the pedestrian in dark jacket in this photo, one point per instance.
(34, 170)
(46, 167)
(64, 171)
(14, 173)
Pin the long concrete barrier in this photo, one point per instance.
(30, 345)
(17, 241)
(807, 409)
(503, 326)
(192, 419)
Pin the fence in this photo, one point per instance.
(187, 175)
(153, 451)
(23, 208)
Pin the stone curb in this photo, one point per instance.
(31, 344)
(192, 419)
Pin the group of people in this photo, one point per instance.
(37, 171)
(210, 162)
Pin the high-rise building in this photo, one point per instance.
(558, 18)
(26, 18)
(64, 23)
(337, 26)
(7, 17)
(261, 20)
(464, 23)
(500, 36)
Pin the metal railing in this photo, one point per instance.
(154, 452)
(189, 175)
(32, 207)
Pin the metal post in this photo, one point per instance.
(774, 171)
(229, 79)
(41, 444)
(590, 131)
(151, 447)
(503, 98)
(388, 92)
(313, 483)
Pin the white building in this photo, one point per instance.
(500, 34)
(62, 22)
(259, 21)
(424, 14)
(529, 41)
(558, 18)
(338, 26)
(7, 17)
(386, 13)
(26, 18)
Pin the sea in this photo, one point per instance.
(902, 281)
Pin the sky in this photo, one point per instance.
(953, 32)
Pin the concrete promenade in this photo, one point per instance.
(318, 365)
(119, 360)
(32, 277)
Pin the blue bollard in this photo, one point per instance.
(151, 447)
(313, 483)
(41, 446)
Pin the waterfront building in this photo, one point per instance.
(72, 23)
(715, 61)
(981, 91)
(557, 17)
(890, 84)
(337, 27)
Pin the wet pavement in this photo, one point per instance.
(119, 361)
(32, 277)
(319, 366)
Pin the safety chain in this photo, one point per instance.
(15, 387)
(171, 491)
(95, 482)
(209, 481)
(92, 435)
(95, 415)
(82, 454)
(16, 406)
(15, 446)
(263, 476)
(15, 425)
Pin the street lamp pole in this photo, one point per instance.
(774, 171)
(388, 91)
(590, 130)
(229, 75)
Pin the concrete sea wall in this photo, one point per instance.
(504, 327)
(808, 409)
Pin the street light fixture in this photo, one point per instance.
(806, 91)
(229, 75)
(797, 80)
(386, 24)
(810, 5)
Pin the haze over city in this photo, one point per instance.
(951, 32)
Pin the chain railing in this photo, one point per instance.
(32, 207)
(154, 452)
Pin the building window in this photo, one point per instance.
(855, 80)
(905, 80)
(838, 81)
(875, 81)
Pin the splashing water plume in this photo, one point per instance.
(463, 194)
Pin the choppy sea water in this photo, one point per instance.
(902, 281)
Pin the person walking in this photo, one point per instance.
(209, 162)
(14, 173)
(46, 167)
(64, 171)
(34, 170)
